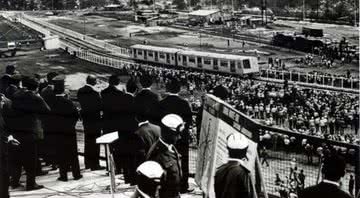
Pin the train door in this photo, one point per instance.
(167, 58)
(145, 55)
(176, 59)
(215, 64)
(199, 62)
(184, 59)
(135, 53)
(232, 66)
(156, 57)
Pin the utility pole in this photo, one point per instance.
(303, 11)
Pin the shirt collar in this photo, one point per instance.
(235, 160)
(173, 94)
(331, 182)
(143, 123)
(169, 146)
(90, 86)
(61, 95)
(146, 88)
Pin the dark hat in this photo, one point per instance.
(30, 82)
(114, 80)
(221, 92)
(51, 75)
(59, 84)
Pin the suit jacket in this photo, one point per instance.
(145, 136)
(232, 180)
(4, 83)
(175, 104)
(24, 120)
(147, 105)
(118, 111)
(171, 163)
(90, 102)
(323, 190)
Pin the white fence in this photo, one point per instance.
(34, 23)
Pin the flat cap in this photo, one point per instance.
(173, 122)
(151, 170)
(237, 141)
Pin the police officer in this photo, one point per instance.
(173, 103)
(165, 153)
(148, 179)
(232, 180)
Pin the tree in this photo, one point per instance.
(180, 4)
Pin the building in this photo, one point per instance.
(206, 15)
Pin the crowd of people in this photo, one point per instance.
(39, 120)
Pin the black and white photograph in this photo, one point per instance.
(179, 99)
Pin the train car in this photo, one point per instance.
(155, 54)
(226, 63)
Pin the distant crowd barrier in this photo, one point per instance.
(325, 81)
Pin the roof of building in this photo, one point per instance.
(203, 12)
(156, 48)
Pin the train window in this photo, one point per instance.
(150, 54)
(162, 55)
(140, 52)
(207, 61)
(215, 61)
(191, 59)
(246, 64)
(239, 65)
(232, 64)
(172, 57)
(199, 60)
(223, 63)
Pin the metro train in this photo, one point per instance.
(216, 62)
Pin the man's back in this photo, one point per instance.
(323, 190)
(147, 105)
(232, 181)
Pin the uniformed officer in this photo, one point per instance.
(148, 179)
(173, 103)
(4, 80)
(333, 170)
(165, 153)
(233, 180)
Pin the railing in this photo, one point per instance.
(326, 81)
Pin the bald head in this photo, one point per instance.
(91, 79)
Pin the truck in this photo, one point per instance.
(8, 49)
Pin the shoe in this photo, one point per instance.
(62, 179)
(189, 190)
(97, 168)
(34, 187)
(42, 173)
(78, 177)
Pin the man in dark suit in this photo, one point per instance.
(333, 170)
(165, 153)
(173, 103)
(25, 124)
(14, 85)
(145, 136)
(6, 140)
(233, 180)
(4, 81)
(48, 146)
(90, 102)
(146, 101)
(63, 117)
